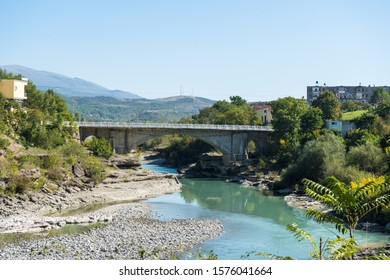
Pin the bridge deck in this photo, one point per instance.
(175, 126)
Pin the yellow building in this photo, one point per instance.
(13, 89)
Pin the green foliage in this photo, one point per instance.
(29, 161)
(9, 76)
(183, 150)
(349, 203)
(301, 235)
(4, 143)
(52, 160)
(329, 105)
(100, 147)
(358, 137)
(380, 96)
(336, 249)
(286, 121)
(351, 106)
(94, 168)
(210, 256)
(316, 160)
(236, 112)
(19, 184)
(311, 120)
(368, 157)
(342, 248)
(41, 124)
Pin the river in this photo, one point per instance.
(253, 221)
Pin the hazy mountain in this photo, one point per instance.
(137, 110)
(96, 103)
(64, 85)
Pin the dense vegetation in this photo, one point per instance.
(36, 142)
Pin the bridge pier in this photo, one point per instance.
(232, 141)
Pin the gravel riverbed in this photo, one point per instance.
(123, 230)
(131, 234)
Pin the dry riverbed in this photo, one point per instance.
(125, 229)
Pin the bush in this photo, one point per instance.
(20, 184)
(55, 174)
(29, 161)
(317, 159)
(94, 168)
(4, 143)
(367, 157)
(100, 147)
(51, 161)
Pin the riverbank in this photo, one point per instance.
(131, 234)
(123, 229)
(39, 211)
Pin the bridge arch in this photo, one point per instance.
(232, 141)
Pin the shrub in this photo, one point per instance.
(55, 174)
(4, 143)
(317, 159)
(29, 161)
(100, 147)
(94, 168)
(20, 184)
(51, 161)
(367, 157)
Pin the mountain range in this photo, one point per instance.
(96, 103)
(66, 86)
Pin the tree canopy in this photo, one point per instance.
(235, 112)
(329, 105)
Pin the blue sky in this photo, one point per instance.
(260, 50)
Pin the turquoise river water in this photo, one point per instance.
(252, 221)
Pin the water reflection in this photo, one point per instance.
(228, 197)
(252, 221)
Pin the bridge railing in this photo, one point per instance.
(174, 126)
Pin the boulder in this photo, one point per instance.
(124, 162)
(3, 186)
(78, 170)
(33, 173)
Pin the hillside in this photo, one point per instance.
(137, 110)
(64, 85)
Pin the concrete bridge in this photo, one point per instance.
(231, 140)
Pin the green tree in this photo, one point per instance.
(311, 124)
(380, 96)
(238, 101)
(287, 115)
(318, 158)
(329, 105)
(100, 147)
(368, 157)
(350, 106)
(236, 112)
(349, 203)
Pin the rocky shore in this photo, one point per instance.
(125, 230)
(131, 234)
